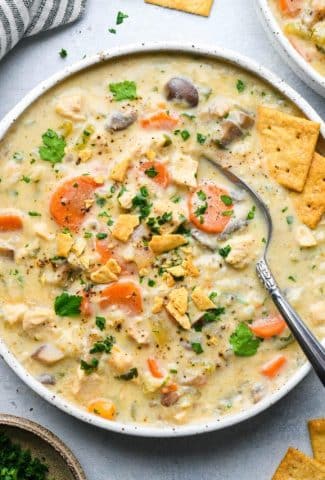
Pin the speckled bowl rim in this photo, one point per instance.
(208, 51)
(48, 437)
(289, 54)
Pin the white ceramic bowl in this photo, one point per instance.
(289, 54)
(137, 429)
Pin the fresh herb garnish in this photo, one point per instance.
(101, 235)
(200, 138)
(175, 198)
(227, 213)
(34, 214)
(224, 252)
(202, 196)
(197, 348)
(89, 367)
(123, 90)
(25, 179)
(120, 17)
(53, 147)
(243, 341)
(141, 201)
(101, 323)
(151, 172)
(289, 219)
(63, 53)
(151, 283)
(251, 213)
(210, 316)
(240, 85)
(226, 200)
(103, 346)
(155, 222)
(18, 464)
(100, 201)
(66, 305)
(292, 278)
(132, 373)
(112, 30)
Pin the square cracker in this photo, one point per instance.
(289, 144)
(310, 204)
(297, 466)
(199, 7)
(317, 437)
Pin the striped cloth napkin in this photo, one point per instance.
(19, 18)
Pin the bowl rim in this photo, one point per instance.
(314, 79)
(203, 50)
(48, 437)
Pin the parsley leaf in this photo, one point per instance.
(240, 85)
(89, 368)
(133, 373)
(66, 305)
(224, 252)
(289, 219)
(210, 316)
(151, 172)
(34, 214)
(63, 53)
(120, 18)
(243, 342)
(53, 147)
(251, 213)
(226, 200)
(197, 348)
(112, 30)
(103, 346)
(123, 90)
(201, 138)
(101, 323)
(141, 201)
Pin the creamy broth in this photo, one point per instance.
(90, 303)
(303, 22)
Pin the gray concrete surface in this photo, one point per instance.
(251, 450)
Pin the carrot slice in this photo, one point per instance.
(68, 203)
(154, 368)
(208, 211)
(272, 368)
(171, 387)
(159, 121)
(124, 294)
(290, 7)
(268, 327)
(157, 172)
(103, 250)
(9, 223)
(103, 407)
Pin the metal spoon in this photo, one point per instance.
(312, 348)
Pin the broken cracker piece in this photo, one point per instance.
(297, 466)
(317, 437)
(310, 204)
(199, 7)
(163, 243)
(289, 144)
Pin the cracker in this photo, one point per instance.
(297, 466)
(199, 7)
(317, 437)
(310, 204)
(289, 144)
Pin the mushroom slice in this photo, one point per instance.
(47, 354)
(182, 90)
(120, 121)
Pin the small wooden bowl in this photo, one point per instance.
(43, 444)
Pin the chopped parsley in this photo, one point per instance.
(63, 53)
(226, 200)
(88, 234)
(100, 201)
(66, 305)
(243, 341)
(151, 283)
(18, 464)
(101, 323)
(188, 115)
(224, 252)
(292, 278)
(175, 198)
(289, 219)
(123, 90)
(103, 346)
(240, 85)
(34, 214)
(101, 235)
(251, 213)
(132, 373)
(213, 296)
(155, 222)
(197, 348)
(185, 134)
(112, 30)
(151, 172)
(120, 17)
(142, 203)
(200, 138)
(227, 213)
(209, 316)
(90, 367)
(201, 195)
(25, 179)
(201, 209)
(53, 147)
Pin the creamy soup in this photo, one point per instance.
(128, 281)
(303, 22)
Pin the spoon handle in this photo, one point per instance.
(312, 348)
